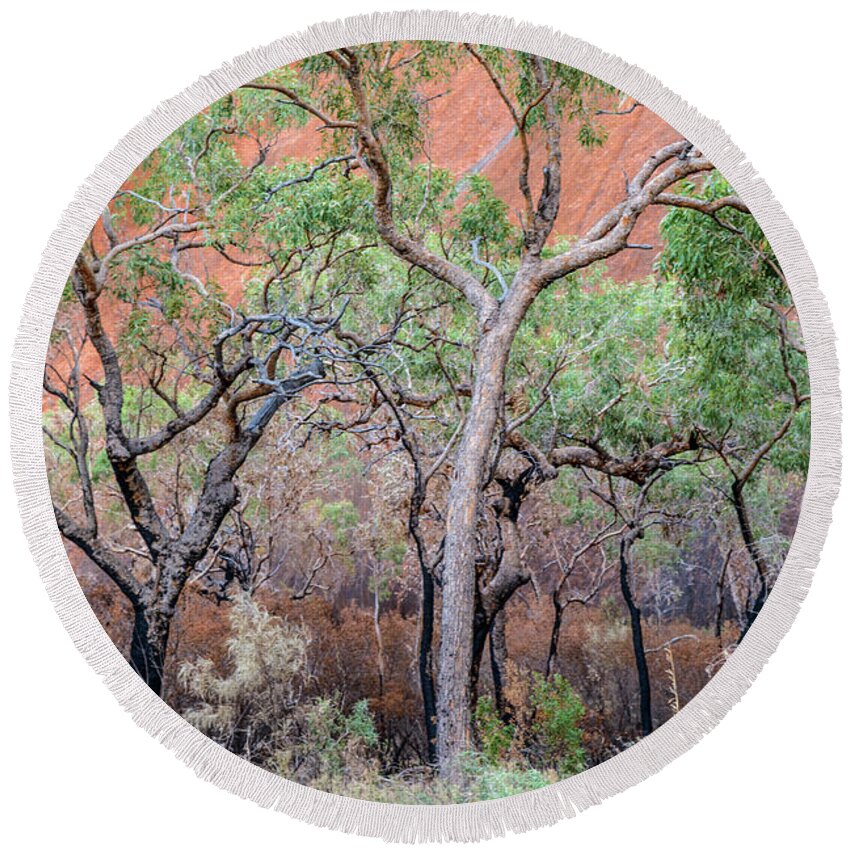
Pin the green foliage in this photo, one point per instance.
(725, 259)
(342, 516)
(478, 779)
(394, 73)
(614, 376)
(487, 781)
(495, 737)
(199, 162)
(729, 289)
(393, 552)
(558, 711)
(332, 743)
(429, 194)
(484, 214)
(577, 94)
(101, 468)
(270, 219)
(547, 736)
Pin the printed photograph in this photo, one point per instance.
(426, 422)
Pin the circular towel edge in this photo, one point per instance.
(396, 822)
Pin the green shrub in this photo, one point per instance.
(333, 748)
(546, 736)
(495, 737)
(556, 729)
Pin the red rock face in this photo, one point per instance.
(593, 180)
(471, 131)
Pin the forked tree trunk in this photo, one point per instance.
(489, 630)
(153, 615)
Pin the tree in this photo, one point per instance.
(172, 553)
(186, 357)
(736, 318)
(543, 91)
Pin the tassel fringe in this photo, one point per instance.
(408, 823)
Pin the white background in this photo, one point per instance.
(76, 77)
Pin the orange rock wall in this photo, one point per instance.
(470, 131)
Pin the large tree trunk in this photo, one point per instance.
(153, 615)
(454, 729)
(148, 647)
(635, 622)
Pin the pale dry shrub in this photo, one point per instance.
(251, 709)
(260, 711)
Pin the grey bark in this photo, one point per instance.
(173, 554)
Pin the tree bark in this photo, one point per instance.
(426, 669)
(636, 625)
(490, 627)
(454, 728)
(496, 583)
(720, 588)
(499, 662)
(480, 630)
(555, 636)
(754, 551)
(148, 646)
(379, 642)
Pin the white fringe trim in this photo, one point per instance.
(471, 821)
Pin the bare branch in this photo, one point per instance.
(489, 266)
(307, 178)
(295, 100)
(118, 569)
(708, 207)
